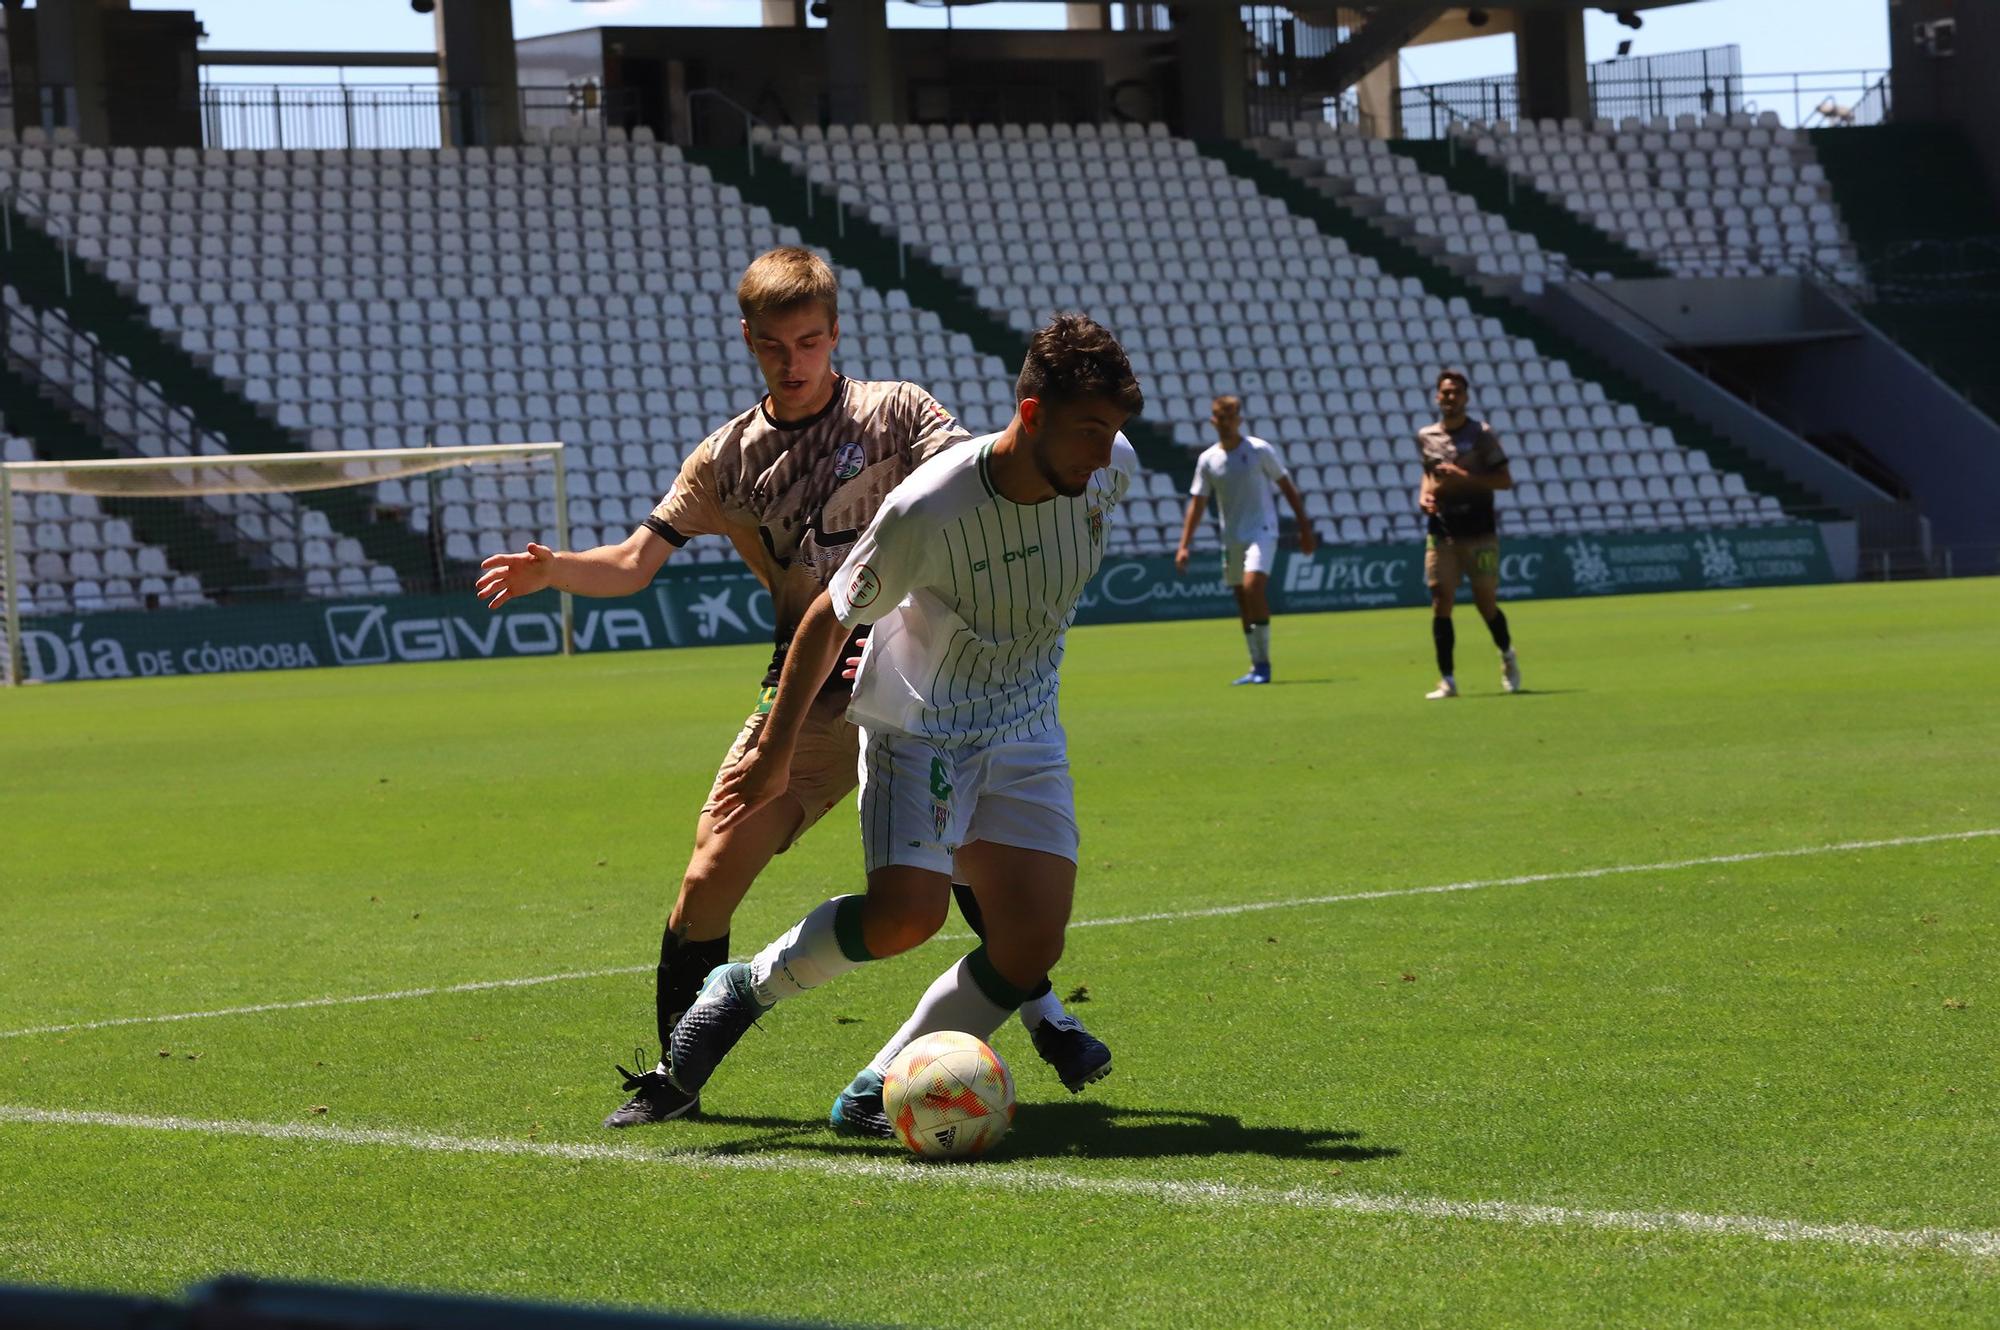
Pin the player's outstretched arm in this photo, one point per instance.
(1195, 505)
(607, 570)
(765, 771)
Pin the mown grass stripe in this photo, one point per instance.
(1114, 921)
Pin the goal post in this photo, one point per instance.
(156, 535)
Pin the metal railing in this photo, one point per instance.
(342, 116)
(417, 115)
(1691, 83)
(839, 189)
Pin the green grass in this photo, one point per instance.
(1806, 1038)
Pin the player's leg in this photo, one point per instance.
(719, 874)
(1020, 858)
(1257, 610)
(980, 990)
(1234, 554)
(908, 816)
(1078, 1056)
(1441, 572)
(1486, 595)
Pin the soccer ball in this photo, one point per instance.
(949, 1096)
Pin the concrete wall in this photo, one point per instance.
(1823, 369)
(1944, 450)
(1617, 319)
(1962, 88)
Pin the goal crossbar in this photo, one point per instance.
(209, 473)
(238, 473)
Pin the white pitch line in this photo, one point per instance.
(478, 987)
(1165, 916)
(1022, 1179)
(1526, 879)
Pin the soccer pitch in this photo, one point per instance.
(1661, 994)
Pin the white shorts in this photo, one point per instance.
(1241, 558)
(920, 802)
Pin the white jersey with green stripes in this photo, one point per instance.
(970, 595)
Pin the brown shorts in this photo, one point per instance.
(1445, 561)
(825, 765)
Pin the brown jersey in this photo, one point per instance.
(793, 496)
(1473, 445)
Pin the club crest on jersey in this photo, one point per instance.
(1096, 525)
(863, 587)
(940, 796)
(847, 461)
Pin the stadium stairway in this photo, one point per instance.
(855, 241)
(38, 410)
(1526, 208)
(1401, 260)
(36, 265)
(1912, 195)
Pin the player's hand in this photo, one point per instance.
(1429, 502)
(1451, 471)
(761, 775)
(1308, 540)
(1180, 560)
(511, 576)
(851, 667)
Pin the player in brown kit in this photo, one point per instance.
(1463, 466)
(791, 483)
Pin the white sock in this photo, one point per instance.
(954, 1001)
(1047, 1007)
(804, 958)
(1250, 643)
(1260, 644)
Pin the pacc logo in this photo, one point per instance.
(1345, 573)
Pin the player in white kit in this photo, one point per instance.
(970, 573)
(1241, 470)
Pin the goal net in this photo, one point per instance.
(161, 536)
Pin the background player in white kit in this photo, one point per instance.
(970, 573)
(1241, 471)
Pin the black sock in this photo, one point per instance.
(1444, 638)
(683, 965)
(968, 905)
(1497, 625)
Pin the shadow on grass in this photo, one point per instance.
(1525, 692)
(1091, 1130)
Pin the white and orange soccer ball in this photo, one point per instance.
(949, 1096)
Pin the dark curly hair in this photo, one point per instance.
(1072, 357)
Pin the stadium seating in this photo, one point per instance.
(579, 291)
(377, 299)
(1709, 196)
(1217, 288)
(1420, 206)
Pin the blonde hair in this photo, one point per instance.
(780, 280)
